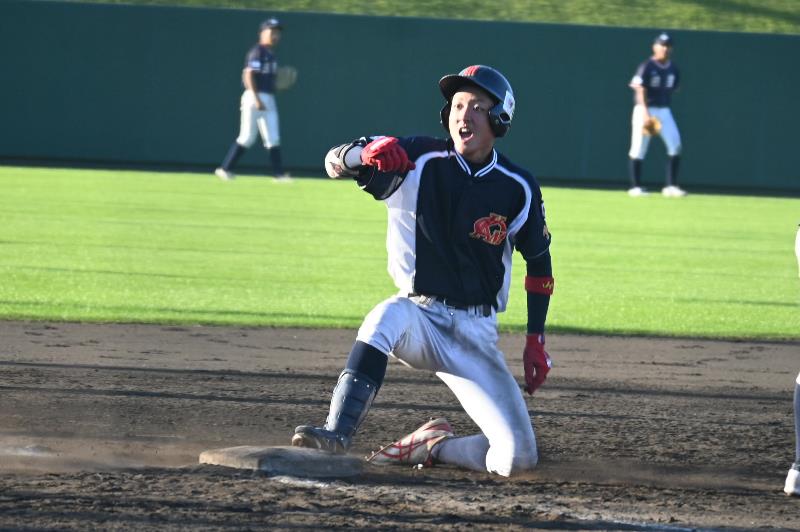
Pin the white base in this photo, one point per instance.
(292, 461)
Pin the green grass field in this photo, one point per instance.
(124, 246)
(760, 16)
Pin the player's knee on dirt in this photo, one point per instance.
(512, 454)
(509, 461)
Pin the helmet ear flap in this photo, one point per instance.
(444, 116)
(500, 120)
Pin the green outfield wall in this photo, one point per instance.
(160, 85)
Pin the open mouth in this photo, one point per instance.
(465, 133)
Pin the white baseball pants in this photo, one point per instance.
(797, 248)
(254, 121)
(460, 346)
(669, 132)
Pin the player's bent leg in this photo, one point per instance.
(496, 405)
(479, 377)
(509, 460)
(381, 331)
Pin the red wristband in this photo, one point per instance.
(539, 285)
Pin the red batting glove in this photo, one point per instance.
(387, 155)
(536, 361)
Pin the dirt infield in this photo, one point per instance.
(101, 427)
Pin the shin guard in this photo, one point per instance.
(350, 403)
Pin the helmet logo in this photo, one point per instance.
(470, 70)
(508, 105)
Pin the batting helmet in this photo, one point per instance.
(663, 38)
(491, 81)
(270, 23)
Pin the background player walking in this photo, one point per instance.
(259, 110)
(653, 84)
(457, 209)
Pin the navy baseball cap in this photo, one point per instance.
(663, 38)
(270, 23)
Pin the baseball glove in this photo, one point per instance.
(285, 77)
(652, 126)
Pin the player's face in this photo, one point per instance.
(661, 52)
(270, 36)
(469, 124)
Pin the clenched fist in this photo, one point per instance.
(387, 155)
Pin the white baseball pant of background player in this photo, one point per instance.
(797, 248)
(792, 485)
(460, 347)
(254, 121)
(669, 132)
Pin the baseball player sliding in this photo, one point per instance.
(457, 209)
(653, 84)
(259, 110)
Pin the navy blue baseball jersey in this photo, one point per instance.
(457, 223)
(264, 65)
(659, 80)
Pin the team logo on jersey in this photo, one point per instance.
(491, 229)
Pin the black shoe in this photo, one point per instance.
(319, 438)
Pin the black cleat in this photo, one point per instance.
(319, 438)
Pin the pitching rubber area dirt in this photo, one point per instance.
(101, 427)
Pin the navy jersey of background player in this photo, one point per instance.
(264, 65)
(459, 208)
(658, 80)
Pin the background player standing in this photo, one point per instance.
(457, 209)
(259, 110)
(653, 84)
(792, 485)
